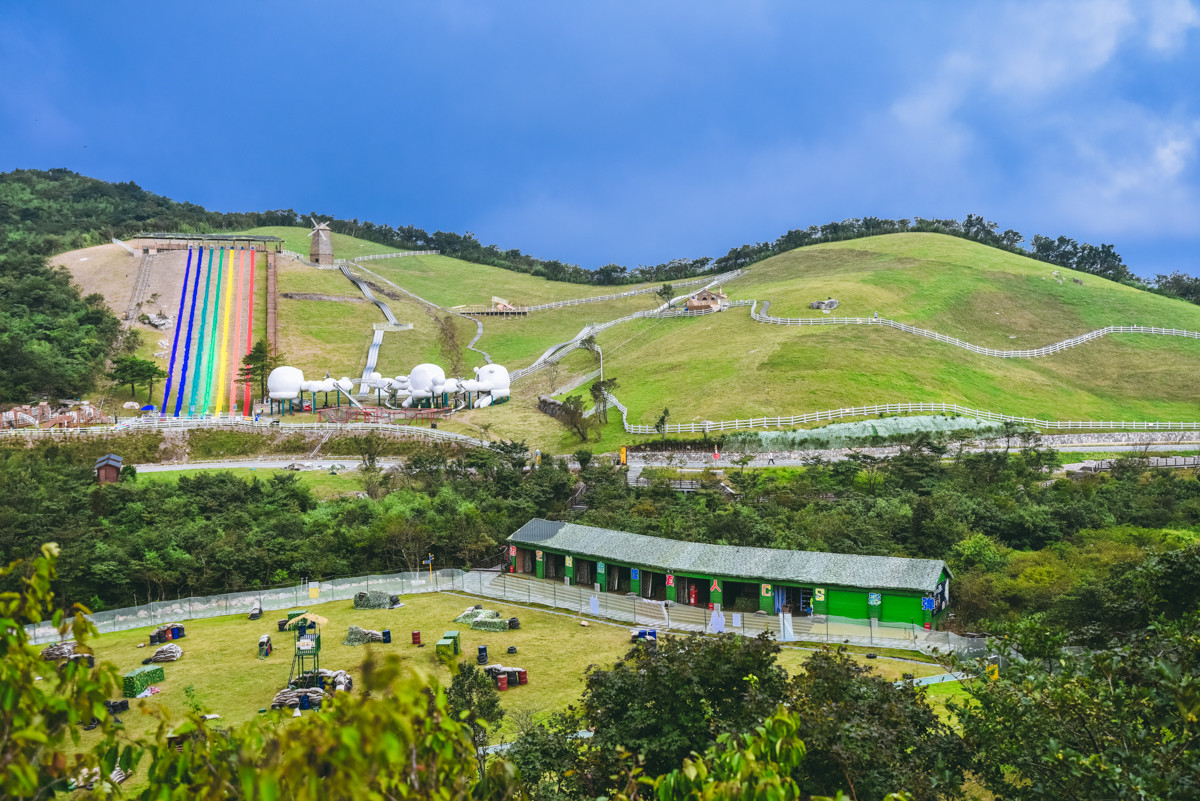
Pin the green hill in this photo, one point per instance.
(727, 366)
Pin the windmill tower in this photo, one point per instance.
(320, 251)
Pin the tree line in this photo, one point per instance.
(679, 718)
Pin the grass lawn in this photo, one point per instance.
(321, 335)
(220, 655)
(322, 483)
(449, 282)
(296, 239)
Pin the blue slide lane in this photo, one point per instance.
(175, 341)
(187, 346)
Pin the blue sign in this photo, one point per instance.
(874, 598)
(633, 573)
(599, 567)
(927, 604)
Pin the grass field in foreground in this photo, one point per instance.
(220, 655)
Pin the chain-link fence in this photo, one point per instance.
(240, 603)
(582, 600)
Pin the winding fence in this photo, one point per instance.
(710, 280)
(710, 426)
(763, 317)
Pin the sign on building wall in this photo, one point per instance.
(874, 598)
(634, 574)
(568, 561)
(766, 590)
(539, 556)
(670, 580)
(599, 567)
(512, 550)
(716, 586)
(819, 594)
(927, 604)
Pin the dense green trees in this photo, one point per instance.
(663, 704)
(1119, 722)
(54, 341)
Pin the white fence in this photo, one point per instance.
(154, 423)
(763, 317)
(709, 426)
(558, 304)
(337, 263)
(614, 607)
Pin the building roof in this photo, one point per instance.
(766, 564)
(715, 292)
(107, 459)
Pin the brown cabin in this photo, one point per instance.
(108, 469)
(707, 300)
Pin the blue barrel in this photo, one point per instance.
(305, 703)
(652, 634)
(387, 635)
(177, 632)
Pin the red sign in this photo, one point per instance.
(670, 580)
(512, 550)
(692, 594)
(715, 587)
(716, 456)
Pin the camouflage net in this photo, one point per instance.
(371, 599)
(469, 615)
(360, 636)
(489, 620)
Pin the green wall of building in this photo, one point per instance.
(897, 606)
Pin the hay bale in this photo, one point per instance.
(360, 636)
(138, 679)
(371, 599)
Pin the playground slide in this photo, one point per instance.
(348, 396)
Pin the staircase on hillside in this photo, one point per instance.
(576, 502)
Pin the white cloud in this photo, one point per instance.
(1169, 23)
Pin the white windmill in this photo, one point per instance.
(320, 251)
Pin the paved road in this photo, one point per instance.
(693, 462)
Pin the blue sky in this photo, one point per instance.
(629, 132)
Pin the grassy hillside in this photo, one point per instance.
(451, 282)
(728, 366)
(321, 335)
(297, 239)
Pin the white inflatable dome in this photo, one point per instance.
(424, 376)
(494, 374)
(284, 383)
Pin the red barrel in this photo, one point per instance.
(522, 678)
(416, 638)
(502, 682)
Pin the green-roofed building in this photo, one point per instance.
(890, 589)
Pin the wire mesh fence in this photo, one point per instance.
(636, 612)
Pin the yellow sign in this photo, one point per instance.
(993, 672)
(568, 561)
(624, 455)
(819, 594)
(314, 592)
(766, 590)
